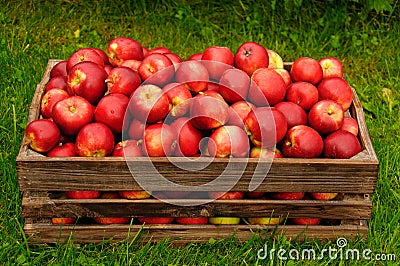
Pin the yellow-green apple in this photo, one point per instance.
(224, 220)
(57, 82)
(267, 88)
(302, 93)
(275, 60)
(306, 221)
(111, 111)
(158, 140)
(285, 75)
(134, 194)
(265, 220)
(251, 56)
(266, 126)
(63, 220)
(229, 141)
(193, 74)
(87, 79)
(59, 69)
(94, 140)
(229, 195)
(331, 67)
(83, 194)
(341, 144)
(84, 55)
(208, 110)
(286, 195)
(306, 69)
(156, 69)
(123, 80)
(132, 64)
(127, 148)
(178, 97)
(149, 104)
(123, 48)
(323, 195)
(50, 99)
(187, 137)
(191, 220)
(63, 150)
(336, 89)
(156, 220)
(234, 85)
(302, 142)
(42, 135)
(351, 125)
(326, 116)
(238, 112)
(294, 113)
(217, 60)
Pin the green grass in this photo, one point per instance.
(367, 43)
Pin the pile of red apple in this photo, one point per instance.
(133, 101)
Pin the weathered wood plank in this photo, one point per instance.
(183, 234)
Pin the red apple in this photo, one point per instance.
(238, 112)
(275, 60)
(254, 194)
(102, 54)
(227, 141)
(87, 79)
(191, 220)
(217, 60)
(123, 80)
(127, 148)
(234, 85)
(351, 125)
(306, 69)
(112, 220)
(251, 56)
(302, 142)
(230, 195)
(132, 64)
(178, 97)
(195, 57)
(323, 196)
(83, 194)
(111, 111)
(136, 129)
(187, 136)
(302, 93)
(287, 195)
(326, 116)
(59, 69)
(94, 140)
(341, 144)
(193, 74)
(108, 68)
(285, 75)
(156, 220)
(42, 135)
(336, 89)
(158, 50)
(306, 221)
(158, 140)
(270, 87)
(72, 114)
(257, 152)
(50, 99)
(156, 69)
(84, 55)
(58, 82)
(208, 111)
(294, 113)
(266, 126)
(63, 150)
(224, 220)
(212, 86)
(175, 59)
(331, 67)
(134, 194)
(149, 104)
(122, 48)
(63, 220)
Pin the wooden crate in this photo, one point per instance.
(42, 178)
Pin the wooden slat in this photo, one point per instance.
(338, 209)
(183, 234)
